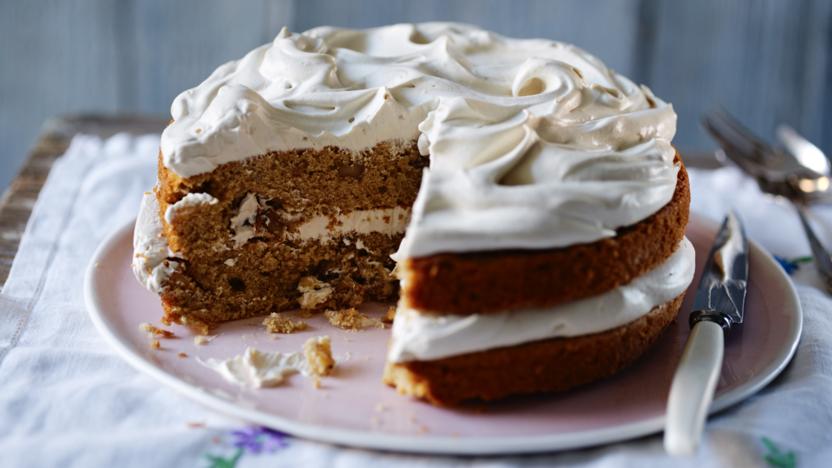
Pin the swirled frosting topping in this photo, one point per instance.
(532, 143)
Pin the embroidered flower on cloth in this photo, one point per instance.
(790, 265)
(254, 440)
(257, 440)
(776, 457)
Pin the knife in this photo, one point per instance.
(719, 305)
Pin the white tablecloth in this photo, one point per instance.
(66, 399)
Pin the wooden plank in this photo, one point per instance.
(17, 202)
(763, 60)
(768, 61)
(19, 199)
(816, 116)
(57, 57)
(176, 45)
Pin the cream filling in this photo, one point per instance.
(387, 221)
(418, 336)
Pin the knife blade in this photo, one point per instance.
(719, 305)
(721, 292)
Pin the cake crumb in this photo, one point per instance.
(279, 323)
(314, 292)
(390, 315)
(154, 344)
(198, 326)
(182, 355)
(381, 407)
(203, 339)
(156, 331)
(195, 424)
(351, 319)
(318, 354)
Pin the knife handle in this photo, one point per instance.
(693, 388)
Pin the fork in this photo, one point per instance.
(799, 175)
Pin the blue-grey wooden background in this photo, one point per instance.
(768, 61)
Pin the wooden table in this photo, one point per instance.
(17, 202)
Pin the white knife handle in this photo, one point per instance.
(693, 388)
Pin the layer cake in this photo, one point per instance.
(530, 197)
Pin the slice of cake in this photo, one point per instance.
(533, 197)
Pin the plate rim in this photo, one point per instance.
(427, 444)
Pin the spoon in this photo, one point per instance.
(801, 173)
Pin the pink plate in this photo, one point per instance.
(354, 408)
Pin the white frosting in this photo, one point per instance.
(256, 369)
(418, 336)
(153, 261)
(189, 200)
(533, 143)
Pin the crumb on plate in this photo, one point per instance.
(351, 319)
(156, 331)
(197, 326)
(280, 323)
(318, 354)
(203, 339)
(390, 315)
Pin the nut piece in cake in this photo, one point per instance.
(280, 323)
(314, 292)
(351, 319)
(318, 354)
